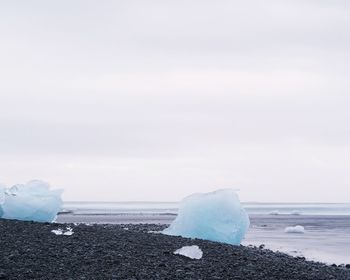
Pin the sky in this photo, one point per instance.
(154, 100)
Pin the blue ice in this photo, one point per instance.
(33, 201)
(216, 216)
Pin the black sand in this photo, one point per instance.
(30, 250)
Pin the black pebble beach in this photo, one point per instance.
(29, 250)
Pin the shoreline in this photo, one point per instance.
(264, 229)
(111, 251)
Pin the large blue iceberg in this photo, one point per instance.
(216, 216)
(33, 201)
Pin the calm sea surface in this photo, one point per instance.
(327, 226)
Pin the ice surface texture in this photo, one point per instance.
(192, 252)
(216, 216)
(33, 201)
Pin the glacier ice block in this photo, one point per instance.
(216, 216)
(33, 201)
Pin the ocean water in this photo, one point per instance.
(253, 208)
(327, 225)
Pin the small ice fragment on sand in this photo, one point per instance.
(125, 228)
(68, 231)
(57, 231)
(216, 216)
(296, 229)
(192, 252)
(154, 231)
(274, 212)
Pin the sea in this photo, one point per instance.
(326, 236)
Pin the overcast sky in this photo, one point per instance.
(154, 100)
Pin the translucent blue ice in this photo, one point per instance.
(33, 201)
(216, 216)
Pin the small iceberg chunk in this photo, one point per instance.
(68, 231)
(57, 231)
(154, 231)
(33, 201)
(192, 252)
(274, 213)
(296, 229)
(216, 216)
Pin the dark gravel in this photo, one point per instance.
(30, 250)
